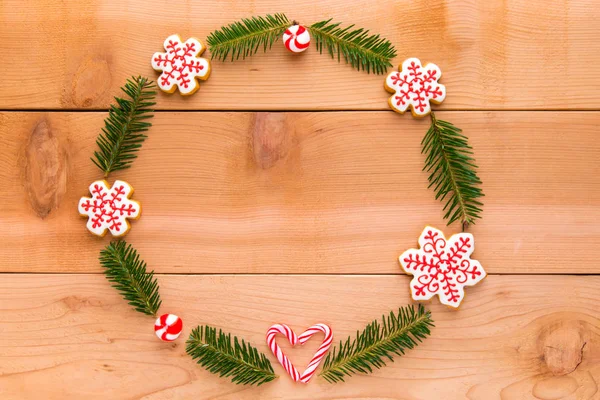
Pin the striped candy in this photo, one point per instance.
(168, 327)
(296, 38)
(303, 338)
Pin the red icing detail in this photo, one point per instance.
(108, 207)
(177, 63)
(97, 219)
(114, 223)
(441, 267)
(417, 85)
(398, 79)
(414, 70)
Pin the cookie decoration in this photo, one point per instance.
(168, 327)
(442, 267)
(296, 38)
(439, 266)
(416, 87)
(301, 339)
(109, 209)
(181, 65)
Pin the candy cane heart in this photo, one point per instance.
(301, 339)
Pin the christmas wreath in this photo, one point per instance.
(439, 266)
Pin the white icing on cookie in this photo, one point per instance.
(109, 209)
(442, 267)
(180, 65)
(415, 86)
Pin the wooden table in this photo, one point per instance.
(284, 191)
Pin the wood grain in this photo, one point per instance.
(496, 54)
(339, 192)
(515, 337)
(334, 190)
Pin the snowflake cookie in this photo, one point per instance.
(109, 208)
(442, 267)
(181, 65)
(415, 86)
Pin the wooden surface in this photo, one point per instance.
(494, 54)
(332, 192)
(254, 216)
(515, 337)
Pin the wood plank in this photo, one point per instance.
(529, 54)
(515, 337)
(301, 192)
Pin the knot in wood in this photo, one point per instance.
(45, 169)
(563, 346)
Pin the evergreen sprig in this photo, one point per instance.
(243, 39)
(121, 136)
(378, 341)
(452, 171)
(359, 49)
(219, 355)
(124, 268)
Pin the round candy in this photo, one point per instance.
(168, 327)
(296, 38)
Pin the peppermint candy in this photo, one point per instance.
(168, 327)
(294, 339)
(296, 38)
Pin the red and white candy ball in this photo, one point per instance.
(168, 327)
(296, 38)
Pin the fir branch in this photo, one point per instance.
(359, 49)
(242, 362)
(452, 171)
(243, 39)
(122, 137)
(123, 267)
(376, 342)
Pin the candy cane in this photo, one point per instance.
(282, 358)
(323, 349)
(294, 339)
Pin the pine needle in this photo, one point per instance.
(239, 361)
(452, 169)
(359, 49)
(378, 341)
(123, 267)
(121, 136)
(243, 39)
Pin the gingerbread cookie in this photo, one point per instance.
(416, 87)
(442, 267)
(181, 65)
(109, 209)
